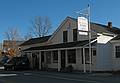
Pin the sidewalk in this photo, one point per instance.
(94, 74)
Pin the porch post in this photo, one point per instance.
(84, 60)
(40, 60)
(59, 60)
(66, 60)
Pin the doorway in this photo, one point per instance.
(35, 60)
(42, 60)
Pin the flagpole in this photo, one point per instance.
(89, 35)
(87, 28)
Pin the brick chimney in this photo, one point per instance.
(109, 24)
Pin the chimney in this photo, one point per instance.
(109, 24)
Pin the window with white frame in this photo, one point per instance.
(74, 34)
(71, 55)
(55, 56)
(87, 57)
(94, 52)
(117, 51)
(48, 57)
(65, 36)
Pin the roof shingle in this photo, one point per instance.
(36, 40)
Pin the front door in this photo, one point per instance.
(35, 60)
(63, 58)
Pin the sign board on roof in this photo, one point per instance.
(83, 25)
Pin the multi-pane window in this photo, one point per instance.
(55, 56)
(117, 51)
(94, 52)
(65, 36)
(74, 34)
(71, 56)
(87, 57)
(48, 57)
(42, 56)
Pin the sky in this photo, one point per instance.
(19, 13)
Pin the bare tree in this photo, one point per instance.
(28, 36)
(12, 34)
(41, 26)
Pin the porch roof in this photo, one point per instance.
(62, 45)
(36, 40)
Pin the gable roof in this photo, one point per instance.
(114, 30)
(36, 40)
(61, 24)
(96, 27)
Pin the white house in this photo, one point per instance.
(66, 47)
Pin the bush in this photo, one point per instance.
(69, 68)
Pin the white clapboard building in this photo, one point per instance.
(67, 47)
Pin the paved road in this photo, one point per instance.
(55, 77)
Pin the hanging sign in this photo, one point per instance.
(83, 25)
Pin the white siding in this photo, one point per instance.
(116, 61)
(58, 35)
(104, 57)
(104, 53)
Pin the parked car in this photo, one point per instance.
(17, 63)
(3, 59)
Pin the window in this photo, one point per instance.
(74, 34)
(71, 56)
(117, 51)
(94, 52)
(87, 57)
(48, 57)
(65, 34)
(42, 56)
(55, 56)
